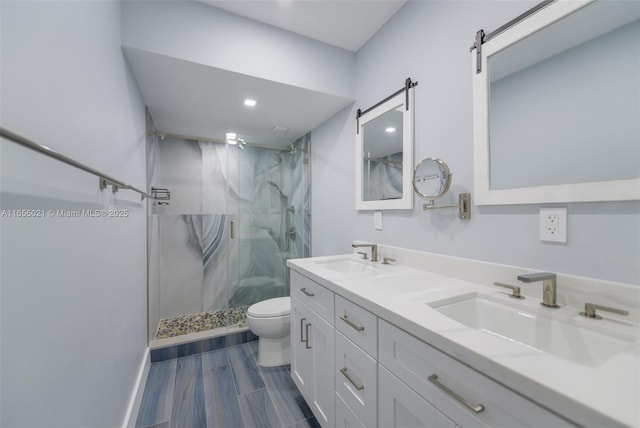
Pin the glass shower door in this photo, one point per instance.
(255, 256)
(269, 205)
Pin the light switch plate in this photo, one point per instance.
(377, 220)
(553, 224)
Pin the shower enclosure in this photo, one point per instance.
(236, 215)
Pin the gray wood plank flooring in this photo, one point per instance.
(222, 388)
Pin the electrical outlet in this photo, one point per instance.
(377, 220)
(553, 224)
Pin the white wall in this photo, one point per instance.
(429, 41)
(203, 34)
(73, 290)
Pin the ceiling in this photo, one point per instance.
(347, 24)
(193, 99)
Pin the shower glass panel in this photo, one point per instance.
(235, 217)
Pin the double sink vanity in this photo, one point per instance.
(429, 340)
(419, 339)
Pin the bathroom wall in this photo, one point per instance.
(203, 34)
(72, 289)
(429, 42)
(201, 267)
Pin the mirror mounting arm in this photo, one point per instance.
(464, 206)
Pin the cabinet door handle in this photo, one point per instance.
(304, 290)
(359, 387)
(476, 409)
(307, 331)
(351, 324)
(302, 320)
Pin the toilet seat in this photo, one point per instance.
(280, 306)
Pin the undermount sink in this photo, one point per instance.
(534, 330)
(353, 267)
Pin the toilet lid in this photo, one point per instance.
(271, 308)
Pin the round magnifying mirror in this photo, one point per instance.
(431, 178)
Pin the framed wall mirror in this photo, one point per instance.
(556, 105)
(384, 153)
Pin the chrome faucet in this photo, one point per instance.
(548, 286)
(374, 250)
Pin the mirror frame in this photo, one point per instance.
(406, 202)
(446, 172)
(613, 190)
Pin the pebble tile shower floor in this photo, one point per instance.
(194, 323)
(222, 388)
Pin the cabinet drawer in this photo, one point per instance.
(356, 380)
(345, 418)
(318, 298)
(414, 362)
(400, 406)
(357, 324)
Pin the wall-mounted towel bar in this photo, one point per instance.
(161, 195)
(105, 180)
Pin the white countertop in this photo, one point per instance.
(591, 394)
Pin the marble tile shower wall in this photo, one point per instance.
(264, 192)
(385, 178)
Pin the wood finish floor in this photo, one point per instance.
(222, 388)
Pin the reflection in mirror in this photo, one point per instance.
(431, 178)
(569, 114)
(382, 160)
(556, 107)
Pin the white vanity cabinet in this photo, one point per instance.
(400, 406)
(356, 361)
(312, 346)
(462, 395)
(300, 351)
(356, 380)
(355, 369)
(345, 418)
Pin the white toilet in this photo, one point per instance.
(270, 320)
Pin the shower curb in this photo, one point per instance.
(200, 346)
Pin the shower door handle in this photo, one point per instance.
(233, 229)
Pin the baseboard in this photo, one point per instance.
(138, 390)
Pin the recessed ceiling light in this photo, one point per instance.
(231, 136)
(390, 129)
(279, 129)
(250, 103)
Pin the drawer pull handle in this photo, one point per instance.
(476, 409)
(359, 387)
(302, 320)
(307, 331)
(350, 324)
(304, 290)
